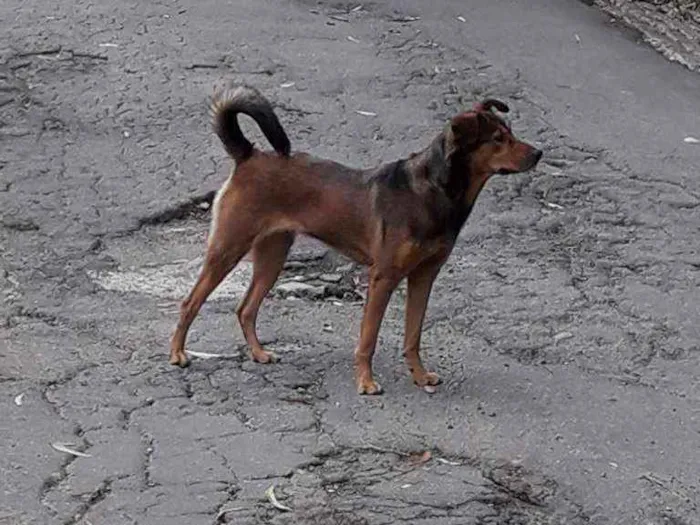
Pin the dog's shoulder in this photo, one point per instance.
(395, 175)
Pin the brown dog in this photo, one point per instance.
(401, 219)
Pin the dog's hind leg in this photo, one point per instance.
(227, 246)
(213, 272)
(269, 254)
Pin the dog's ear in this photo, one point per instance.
(467, 129)
(489, 103)
(463, 132)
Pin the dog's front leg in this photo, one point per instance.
(420, 283)
(380, 289)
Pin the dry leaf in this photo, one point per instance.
(205, 355)
(64, 447)
(365, 113)
(226, 510)
(353, 39)
(287, 84)
(448, 462)
(691, 140)
(270, 493)
(461, 19)
(19, 399)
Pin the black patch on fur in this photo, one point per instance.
(438, 166)
(394, 175)
(458, 179)
(456, 219)
(447, 208)
(440, 210)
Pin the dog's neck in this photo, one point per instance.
(451, 171)
(448, 180)
(475, 183)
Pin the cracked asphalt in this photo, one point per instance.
(565, 325)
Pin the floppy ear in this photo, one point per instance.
(441, 150)
(489, 103)
(461, 132)
(466, 129)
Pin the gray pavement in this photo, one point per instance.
(565, 325)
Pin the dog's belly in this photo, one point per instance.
(356, 253)
(339, 217)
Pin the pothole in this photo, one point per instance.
(172, 281)
(158, 261)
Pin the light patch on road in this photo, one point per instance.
(171, 281)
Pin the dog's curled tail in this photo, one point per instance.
(225, 107)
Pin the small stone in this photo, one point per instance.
(324, 447)
(293, 265)
(563, 335)
(301, 289)
(335, 478)
(330, 277)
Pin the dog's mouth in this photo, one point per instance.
(527, 164)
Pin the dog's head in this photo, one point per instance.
(486, 143)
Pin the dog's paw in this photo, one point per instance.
(427, 381)
(179, 359)
(261, 356)
(428, 378)
(369, 387)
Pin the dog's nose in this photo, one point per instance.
(537, 155)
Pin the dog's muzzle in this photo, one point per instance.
(532, 159)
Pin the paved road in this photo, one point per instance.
(565, 326)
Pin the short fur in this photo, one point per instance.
(400, 219)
